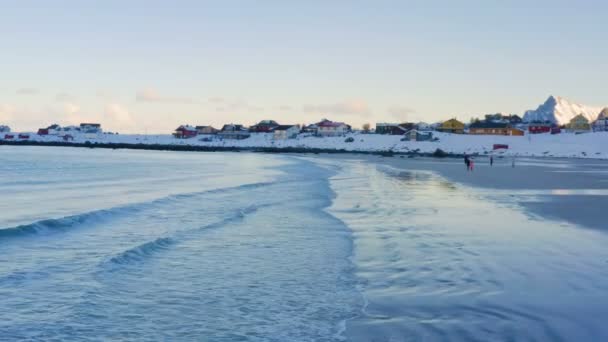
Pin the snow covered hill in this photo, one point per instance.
(560, 111)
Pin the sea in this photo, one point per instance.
(130, 245)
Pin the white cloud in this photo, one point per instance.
(28, 91)
(63, 97)
(152, 95)
(118, 116)
(351, 107)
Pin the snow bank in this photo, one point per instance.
(589, 145)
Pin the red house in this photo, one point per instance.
(43, 131)
(185, 132)
(539, 128)
(9, 136)
(500, 147)
(24, 136)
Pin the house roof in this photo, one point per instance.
(603, 114)
(283, 127)
(489, 124)
(327, 123)
(185, 128)
(90, 124)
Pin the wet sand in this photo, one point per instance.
(570, 190)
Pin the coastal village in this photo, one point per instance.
(509, 132)
(492, 124)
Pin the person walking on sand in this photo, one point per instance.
(471, 164)
(491, 160)
(467, 162)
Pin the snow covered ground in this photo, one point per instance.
(589, 145)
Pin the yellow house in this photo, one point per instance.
(579, 123)
(452, 126)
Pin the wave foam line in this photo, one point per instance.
(68, 222)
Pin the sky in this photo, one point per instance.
(149, 66)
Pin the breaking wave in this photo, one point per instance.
(68, 222)
(142, 251)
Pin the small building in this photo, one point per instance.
(601, 123)
(451, 126)
(283, 132)
(327, 128)
(43, 131)
(234, 131)
(538, 128)
(91, 128)
(494, 128)
(390, 128)
(579, 124)
(68, 137)
(24, 136)
(423, 127)
(206, 130)
(264, 126)
(416, 135)
(4, 129)
(9, 136)
(185, 132)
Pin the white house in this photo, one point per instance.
(90, 128)
(283, 132)
(327, 128)
(4, 129)
(601, 124)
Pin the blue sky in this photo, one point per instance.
(147, 66)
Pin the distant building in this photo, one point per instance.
(4, 129)
(327, 128)
(579, 124)
(283, 132)
(500, 117)
(423, 127)
(494, 128)
(24, 136)
(538, 128)
(54, 129)
(43, 131)
(206, 130)
(185, 132)
(390, 128)
(416, 135)
(451, 126)
(9, 136)
(264, 126)
(68, 137)
(234, 131)
(90, 128)
(601, 123)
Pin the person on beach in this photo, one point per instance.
(467, 162)
(491, 160)
(471, 164)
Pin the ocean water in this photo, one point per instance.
(148, 245)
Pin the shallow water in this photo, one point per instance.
(440, 261)
(146, 245)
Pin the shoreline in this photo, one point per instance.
(437, 154)
(197, 148)
(550, 188)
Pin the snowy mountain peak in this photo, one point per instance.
(560, 111)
